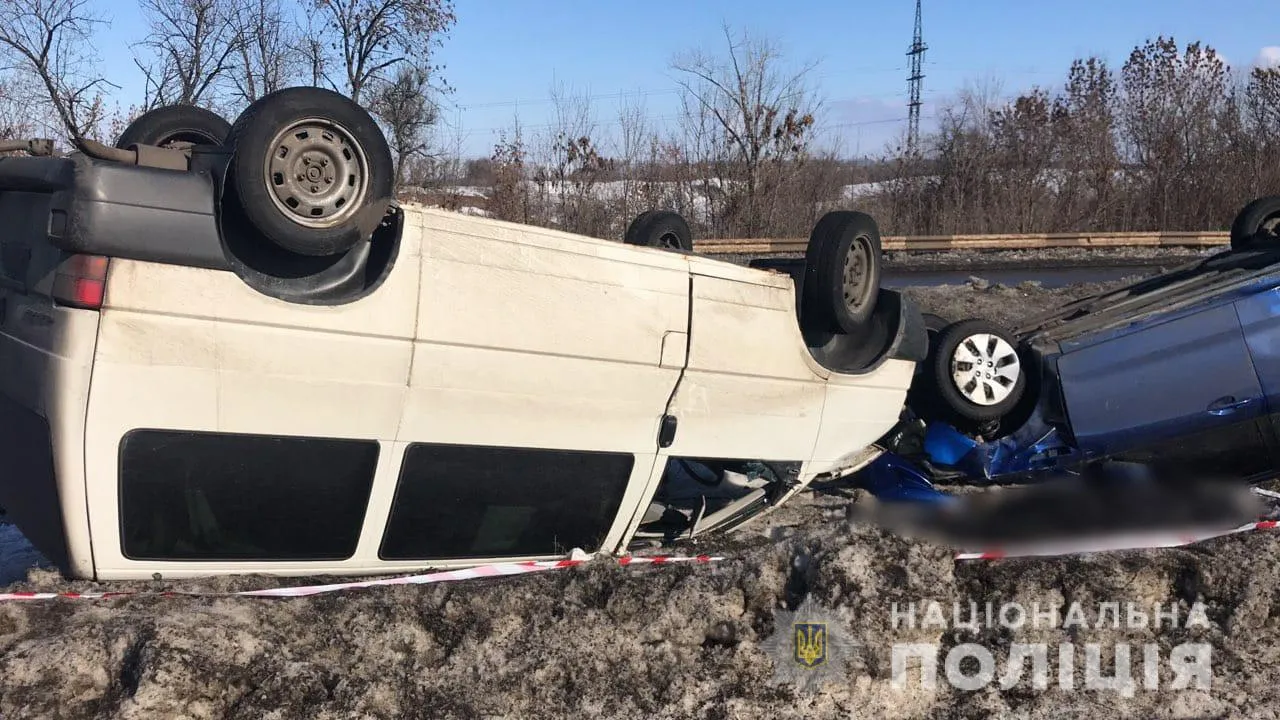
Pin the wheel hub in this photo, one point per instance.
(856, 265)
(985, 369)
(1271, 225)
(317, 174)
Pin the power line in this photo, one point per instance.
(666, 118)
(587, 98)
(644, 92)
(829, 102)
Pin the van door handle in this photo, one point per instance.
(1227, 404)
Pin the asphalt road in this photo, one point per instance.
(1049, 277)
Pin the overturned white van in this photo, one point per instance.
(236, 354)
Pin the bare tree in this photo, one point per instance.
(266, 57)
(50, 43)
(1024, 146)
(370, 36)
(406, 106)
(15, 118)
(509, 198)
(569, 167)
(633, 142)
(1175, 106)
(193, 44)
(1261, 129)
(697, 162)
(764, 112)
(1262, 102)
(1085, 124)
(309, 48)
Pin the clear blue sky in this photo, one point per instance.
(504, 55)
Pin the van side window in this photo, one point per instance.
(455, 501)
(220, 496)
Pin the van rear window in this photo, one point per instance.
(455, 501)
(219, 496)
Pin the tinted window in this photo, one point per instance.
(457, 501)
(216, 496)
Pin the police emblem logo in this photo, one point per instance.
(810, 644)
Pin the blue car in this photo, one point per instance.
(1179, 371)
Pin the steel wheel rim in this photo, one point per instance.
(857, 263)
(188, 137)
(1270, 224)
(985, 369)
(316, 173)
(670, 241)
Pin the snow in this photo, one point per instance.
(472, 191)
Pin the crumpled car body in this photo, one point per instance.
(1179, 372)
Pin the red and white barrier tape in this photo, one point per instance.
(482, 571)
(1132, 541)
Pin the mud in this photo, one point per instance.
(1003, 304)
(1050, 257)
(661, 642)
(977, 261)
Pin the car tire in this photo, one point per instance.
(1257, 225)
(176, 123)
(306, 164)
(660, 229)
(842, 271)
(971, 395)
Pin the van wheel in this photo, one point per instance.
(976, 374)
(933, 324)
(1257, 225)
(307, 163)
(175, 124)
(842, 271)
(660, 229)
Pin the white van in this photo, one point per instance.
(189, 385)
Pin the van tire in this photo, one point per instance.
(308, 165)
(175, 123)
(661, 229)
(842, 271)
(934, 324)
(1257, 225)
(629, 237)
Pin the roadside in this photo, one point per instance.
(1153, 258)
(1004, 304)
(678, 641)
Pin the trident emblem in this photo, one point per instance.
(811, 644)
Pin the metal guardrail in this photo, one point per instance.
(928, 243)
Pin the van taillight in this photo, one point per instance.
(81, 281)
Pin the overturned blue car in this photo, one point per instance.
(1179, 372)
